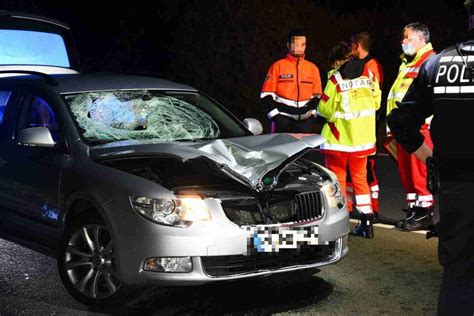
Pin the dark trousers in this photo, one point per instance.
(456, 246)
(283, 124)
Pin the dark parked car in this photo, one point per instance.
(134, 181)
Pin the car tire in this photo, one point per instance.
(87, 264)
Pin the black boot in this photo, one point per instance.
(422, 220)
(365, 228)
(411, 212)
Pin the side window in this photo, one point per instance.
(4, 97)
(38, 113)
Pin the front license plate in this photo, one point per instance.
(274, 238)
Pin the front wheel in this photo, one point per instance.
(87, 262)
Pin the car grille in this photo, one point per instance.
(309, 206)
(282, 208)
(219, 266)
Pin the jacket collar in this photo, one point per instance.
(293, 59)
(418, 55)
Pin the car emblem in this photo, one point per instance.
(268, 181)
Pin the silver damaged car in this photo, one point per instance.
(135, 181)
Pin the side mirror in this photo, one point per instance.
(36, 137)
(254, 126)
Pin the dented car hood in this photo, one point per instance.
(246, 159)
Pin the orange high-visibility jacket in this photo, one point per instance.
(374, 67)
(292, 82)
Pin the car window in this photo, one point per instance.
(147, 114)
(20, 47)
(38, 113)
(4, 97)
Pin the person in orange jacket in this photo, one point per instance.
(361, 44)
(292, 88)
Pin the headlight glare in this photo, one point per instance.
(193, 209)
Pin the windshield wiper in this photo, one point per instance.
(193, 139)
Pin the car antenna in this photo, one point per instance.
(49, 79)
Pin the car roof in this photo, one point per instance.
(28, 16)
(76, 83)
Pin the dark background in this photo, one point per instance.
(224, 47)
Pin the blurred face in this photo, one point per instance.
(355, 49)
(412, 42)
(297, 46)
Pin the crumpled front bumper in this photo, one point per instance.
(138, 239)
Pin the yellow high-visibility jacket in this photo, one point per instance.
(407, 72)
(349, 107)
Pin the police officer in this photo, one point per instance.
(292, 89)
(445, 88)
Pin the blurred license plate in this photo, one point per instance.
(273, 238)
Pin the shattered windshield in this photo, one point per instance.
(107, 116)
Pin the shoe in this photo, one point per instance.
(411, 212)
(422, 220)
(365, 228)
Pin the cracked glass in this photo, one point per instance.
(142, 114)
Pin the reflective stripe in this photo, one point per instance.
(425, 198)
(428, 120)
(458, 59)
(366, 209)
(411, 196)
(439, 90)
(424, 204)
(371, 75)
(446, 59)
(349, 189)
(357, 83)
(412, 70)
(396, 95)
(363, 199)
(453, 89)
(467, 89)
(266, 94)
(375, 195)
(468, 48)
(284, 101)
(338, 77)
(273, 113)
(289, 102)
(298, 117)
(354, 115)
(346, 148)
(374, 188)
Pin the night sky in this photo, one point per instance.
(224, 47)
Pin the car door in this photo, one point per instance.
(31, 175)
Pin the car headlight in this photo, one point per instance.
(333, 193)
(180, 212)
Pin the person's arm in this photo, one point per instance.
(326, 106)
(268, 93)
(317, 87)
(405, 121)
